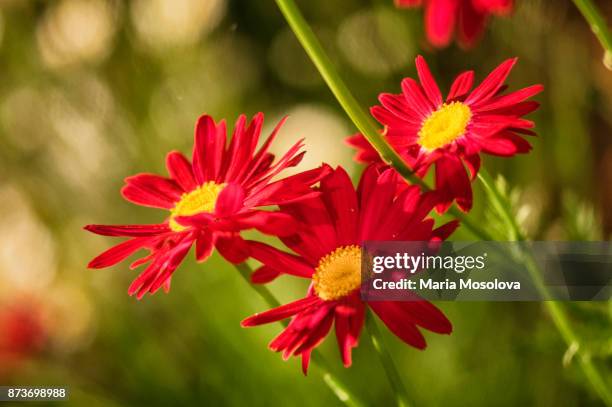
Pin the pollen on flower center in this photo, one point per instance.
(201, 199)
(338, 273)
(444, 125)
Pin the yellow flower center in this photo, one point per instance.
(444, 125)
(338, 273)
(201, 199)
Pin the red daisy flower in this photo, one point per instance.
(425, 129)
(469, 16)
(209, 201)
(331, 231)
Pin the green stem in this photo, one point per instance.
(497, 201)
(555, 309)
(335, 385)
(368, 128)
(599, 27)
(593, 375)
(268, 297)
(361, 119)
(478, 231)
(387, 362)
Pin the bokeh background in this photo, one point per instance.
(92, 91)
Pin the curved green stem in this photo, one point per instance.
(478, 231)
(335, 385)
(246, 271)
(497, 201)
(599, 27)
(387, 362)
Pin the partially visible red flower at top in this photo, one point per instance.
(208, 201)
(328, 243)
(426, 129)
(467, 17)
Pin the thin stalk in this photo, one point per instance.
(554, 308)
(368, 128)
(561, 321)
(478, 231)
(387, 361)
(487, 181)
(599, 27)
(361, 119)
(335, 385)
(246, 271)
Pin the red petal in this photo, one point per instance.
(367, 183)
(365, 152)
(201, 220)
(428, 82)
(453, 182)
(489, 87)
(510, 99)
(262, 154)
(398, 106)
(407, 3)
(345, 343)
(341, 200)
(118, 253)
(180, 170)
(472, 161)
(151, 190)
(519, 109)
(233, 248)
(170, 265)
(215, 157)
(207, 149)
(375, 204)
(205, 243)
(270, 223)
(385, 117)
(413, 92)
(317, 333)
(440, 18)
(279, 260)
(418, 312)
(505, 144)
(471, 24)
(444, 231)
(128, 230)
(356, 320)
(288, 190)
(305, 362)
(242, 147)
(499, 7)
(316, 234)
(461, 86)
(280, 313)
(404, 328)
(264, 275)
(161, 269)
(230, 200)
(146, 277)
